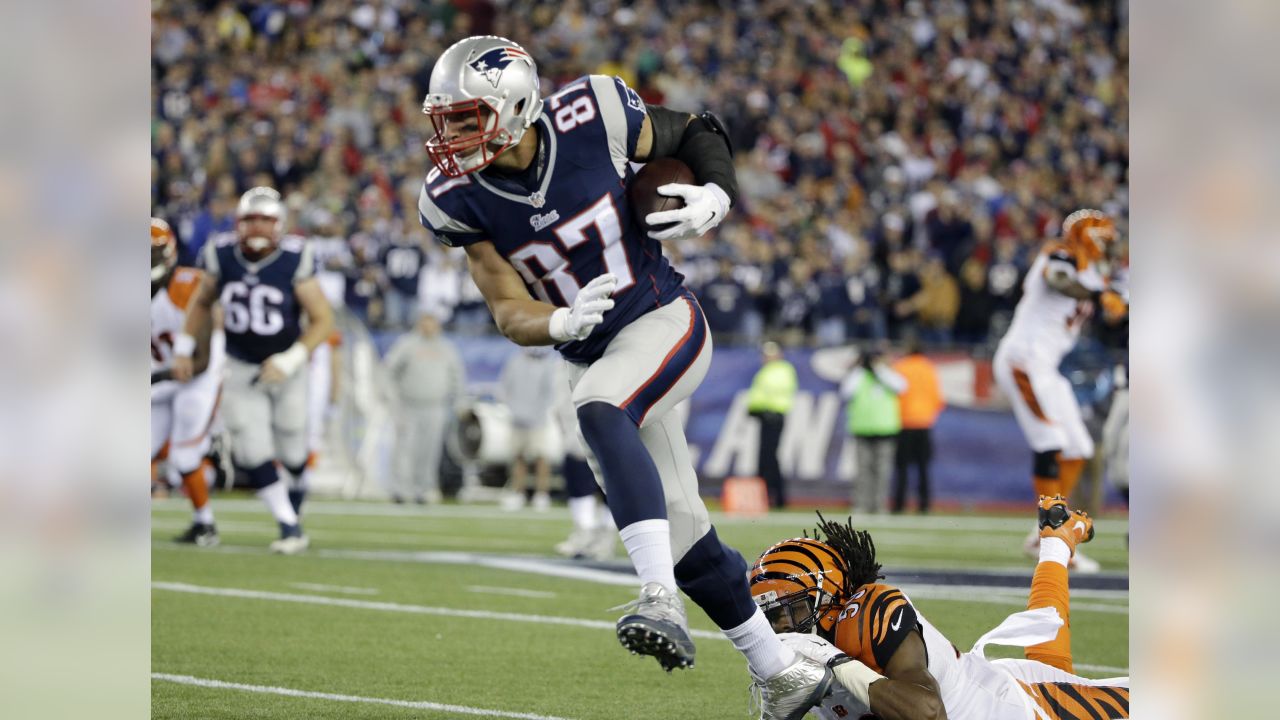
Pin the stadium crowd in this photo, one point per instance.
(899, 169)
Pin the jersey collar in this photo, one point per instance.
(538, 198)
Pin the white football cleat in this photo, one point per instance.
(1031, 546)
(656, 624)
(512, 501)
(290, 545)
(541, 502)
(1084, 564)
(576, 544)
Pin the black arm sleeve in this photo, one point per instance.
(700, 143)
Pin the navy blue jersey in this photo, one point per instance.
(566, 221)
(403, 264)
(261, 313)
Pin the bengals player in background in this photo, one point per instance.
(182, 412)
(1064, 287)
(826, 597)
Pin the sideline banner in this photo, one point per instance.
(979, 454)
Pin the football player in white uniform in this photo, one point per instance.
(1060, 292)
(182, 412)
(893, 664)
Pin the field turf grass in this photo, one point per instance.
(449, 612)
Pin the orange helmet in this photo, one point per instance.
(164, 249)
(799, 583)
(1088, 233)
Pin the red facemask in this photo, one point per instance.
(460, 137)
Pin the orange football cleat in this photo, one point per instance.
(1057, 520)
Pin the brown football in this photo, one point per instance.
(643, 195)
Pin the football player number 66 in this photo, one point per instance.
(571, 233)
(255, 309)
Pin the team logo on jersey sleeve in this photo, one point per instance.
(492, 63)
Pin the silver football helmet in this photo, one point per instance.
(484, 96)
(256, 203)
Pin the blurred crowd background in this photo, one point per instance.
(900, 162)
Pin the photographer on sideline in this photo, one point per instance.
(872, 389)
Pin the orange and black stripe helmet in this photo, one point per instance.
(799, 583)
(1088, 233)
(164, 250)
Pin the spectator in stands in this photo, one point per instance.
(428, 380)
(862, 283)
(874, 420)
(773, 390)
(402, 261)
(998, 115)
(901, 285)
(724, 301)
(919, 406)
(528, 386)
(934, 307)
(973, 319)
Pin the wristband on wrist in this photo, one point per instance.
(184, 345)
(857, 679)
(558, 325)
(290, 360)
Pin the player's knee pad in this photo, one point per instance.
(185, 459)
(714, 576)
(263, 475)
(1045, 464)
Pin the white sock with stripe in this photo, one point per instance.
(648, 542)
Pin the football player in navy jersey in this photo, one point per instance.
(265, 282)
(535, 191)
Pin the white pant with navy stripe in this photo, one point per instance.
(647, 369)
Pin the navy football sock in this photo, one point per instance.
(630, 477)
(578, 480)
(714, 576)
(298, 488)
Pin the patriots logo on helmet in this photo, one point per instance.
(493, 62)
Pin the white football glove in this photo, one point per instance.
(704, 208)
(810, 646)
(589, 307)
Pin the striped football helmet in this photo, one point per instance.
(799, 584)
(164, 250)
(1089, 233)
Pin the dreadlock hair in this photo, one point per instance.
(857, 549)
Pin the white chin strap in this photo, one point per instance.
(157, 272)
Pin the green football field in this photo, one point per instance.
(464, 611)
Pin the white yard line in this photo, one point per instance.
(291, 692)
(518, 592)
(789, 519)
(317, 587)
(537, 566)
(397, 607)
(1101, 668)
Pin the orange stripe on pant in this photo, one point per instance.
(1029, 394)
(1070, 701)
